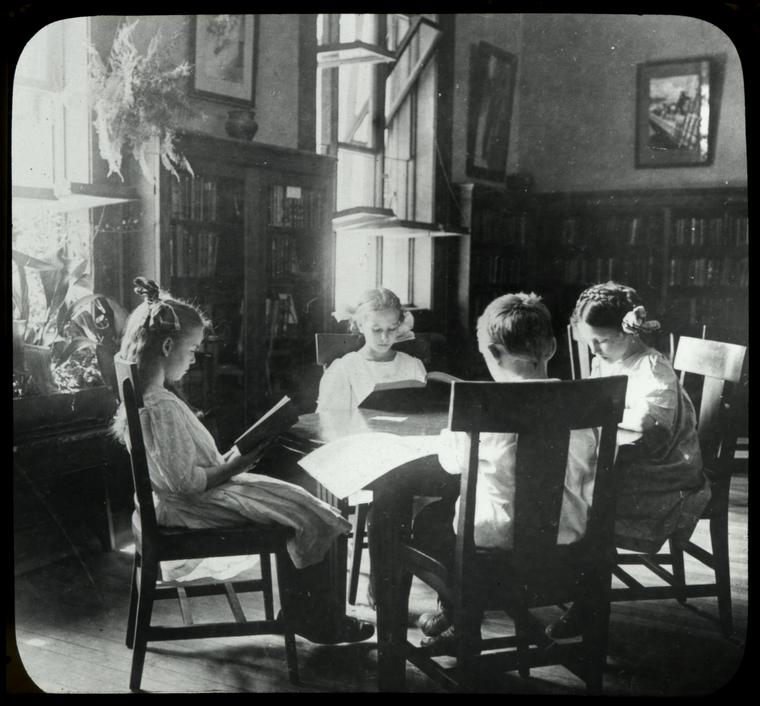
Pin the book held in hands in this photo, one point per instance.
(410, 395)
(274, 422)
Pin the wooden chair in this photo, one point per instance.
(717, 363)
(154, 544)
(580, 355)
(536, 571)
(330, 346)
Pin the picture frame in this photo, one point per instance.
(492, 88)
(224, 57)
(677, 104)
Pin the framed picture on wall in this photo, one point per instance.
(224, 57)
(492, 87)
(676, 111)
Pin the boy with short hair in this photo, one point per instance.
(516, 340)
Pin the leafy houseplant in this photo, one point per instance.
(61, 363)
(137, 99)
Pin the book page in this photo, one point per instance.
(349, 464)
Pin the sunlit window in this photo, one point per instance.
(378, 118)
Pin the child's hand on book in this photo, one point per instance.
(249, 460)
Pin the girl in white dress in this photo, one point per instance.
(381, 319)
(196, 486)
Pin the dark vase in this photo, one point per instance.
(241, 124)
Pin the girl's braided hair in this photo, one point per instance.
(613, 305)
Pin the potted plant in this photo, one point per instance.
(63, 361)
(138, 99)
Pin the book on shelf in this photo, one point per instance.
(275, 421)
(348, 465)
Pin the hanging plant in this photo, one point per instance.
(136, 99)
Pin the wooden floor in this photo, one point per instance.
(70, 617)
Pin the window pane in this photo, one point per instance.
(356, 179)
(355, 88)
(355, 267)
(419, 47)
(358, 28)
(396, 267)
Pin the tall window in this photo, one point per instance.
(377, 88)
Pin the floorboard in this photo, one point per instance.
(70, 618)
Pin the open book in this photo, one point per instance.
(411, 395)
(347, 465)
(277, 420)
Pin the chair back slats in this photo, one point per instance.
(535, 531)
(528, 406)
(542, 414)
(717, 363)
(131, 395)
(713, 359)
(330, 346)
(580, 355)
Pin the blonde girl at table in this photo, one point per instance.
(516, 341)
(381, 320)
(662, 489)
(196, 486)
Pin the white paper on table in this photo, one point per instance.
(347, 465)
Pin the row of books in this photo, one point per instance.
(200, 198)
(722, 311)
(495, 227)
(500, 269)
(193, 253)
(708, 272)
(721, 231)
(613, 231)
(295, 207)
(289, 256)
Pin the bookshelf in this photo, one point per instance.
(248, 238)
(684, 250)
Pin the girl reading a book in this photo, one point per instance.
(662, 489)
(196, 486)
(382, 321)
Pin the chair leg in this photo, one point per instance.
(467, 626)
(266, 576)
(130, 641)
(595, 642)
(356, 553)
(719, 539)
(523, 644)
(286, 616)
(147, 583)
(679, 573)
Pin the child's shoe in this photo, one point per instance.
(443, 644)
(434, 623)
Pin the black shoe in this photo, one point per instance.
(351, 630)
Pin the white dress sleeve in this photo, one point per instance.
(171, 450)
(334, 388)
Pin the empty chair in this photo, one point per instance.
(716, 363)
(155, 543)
(536, 571)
